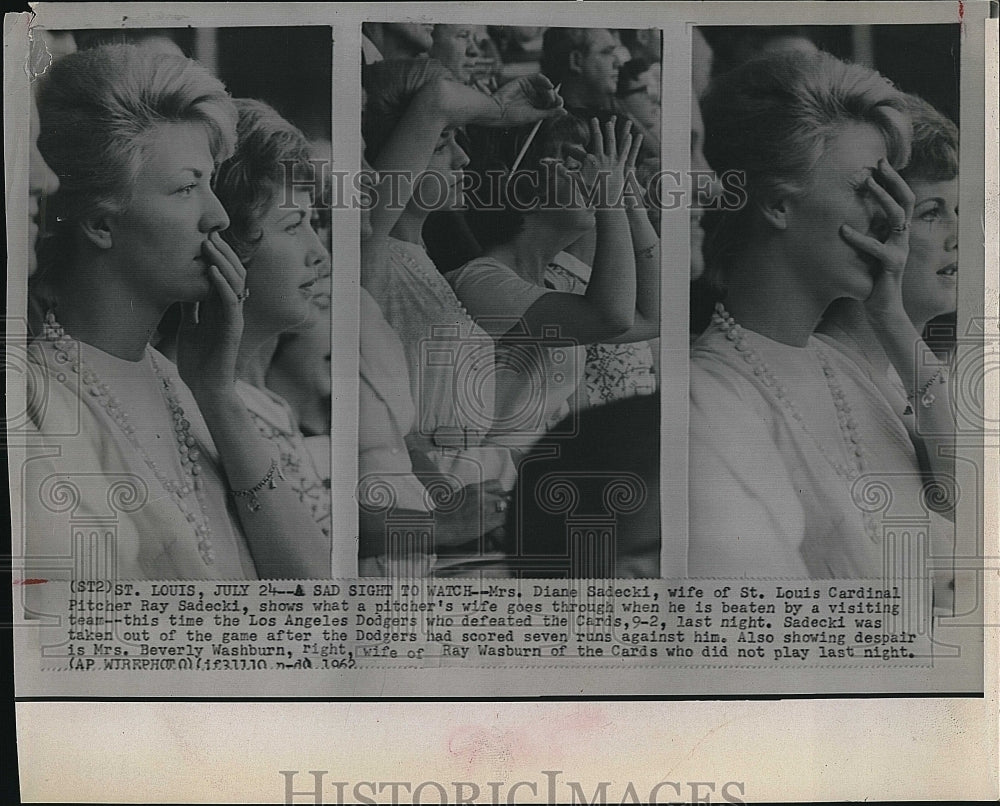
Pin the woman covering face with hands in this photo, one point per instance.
(507, 292)
(787, 434)
(165, 448)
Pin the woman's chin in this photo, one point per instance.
(947, 302)
(859, 287)
(195, 291)
(291, 320)
(201, 290)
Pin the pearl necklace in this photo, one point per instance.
(186, 444)
(845, 416)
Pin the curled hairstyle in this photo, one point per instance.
(934, 152)
(772, 118)
(497, 220)
(557, 45)
(98, 109)
(267, 148)
(630, 73)
(390, 86)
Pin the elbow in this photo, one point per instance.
(615, 324)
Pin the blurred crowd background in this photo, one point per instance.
(286, 67)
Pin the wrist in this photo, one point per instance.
(610, 215)
(887, 314)
(217, 402)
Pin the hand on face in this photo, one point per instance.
(609, 158)
(210, 332)
(896, 201)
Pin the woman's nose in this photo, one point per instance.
(707, 187)
(698, 161)
(704, 180)
(951, 239)
(42, 180)
(316, 255)
(214, 217)
(459, 159)
(472, 50)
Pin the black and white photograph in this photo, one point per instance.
(820, 408)
(178, 328)
(509, 414)
(410, 402)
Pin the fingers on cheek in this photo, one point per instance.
(219, 280)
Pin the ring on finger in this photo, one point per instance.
(243, 296)
(902, 227)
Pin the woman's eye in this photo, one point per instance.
(187, 190)
(930, 215)
(860, 182)
(294, 226)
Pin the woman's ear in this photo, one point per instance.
(97, 229)
(775, 212)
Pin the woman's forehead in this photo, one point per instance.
(556, 143)
(283, 200)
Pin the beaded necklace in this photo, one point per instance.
(845, 416)
(433, 280)
(191, 481)
(868, 366)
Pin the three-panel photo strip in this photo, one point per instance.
(526, 310)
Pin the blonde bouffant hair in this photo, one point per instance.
(97, 110)
(772, 118)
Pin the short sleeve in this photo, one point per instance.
(493, 294)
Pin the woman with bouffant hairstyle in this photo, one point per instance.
(134, 137)
(786, 434)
